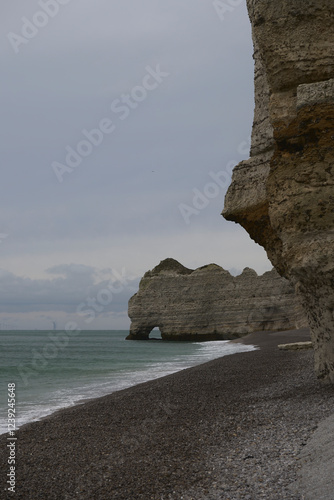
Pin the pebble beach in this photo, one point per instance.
(233, 428)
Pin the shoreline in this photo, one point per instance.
(148, 376)
(228, 428)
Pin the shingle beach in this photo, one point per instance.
(232, 429)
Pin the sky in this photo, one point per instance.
(121, 122)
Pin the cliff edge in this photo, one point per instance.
(209, 303)
(284, 194)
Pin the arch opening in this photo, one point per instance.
(155, 334)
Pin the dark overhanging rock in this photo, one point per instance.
(209, 303)
(284, 194)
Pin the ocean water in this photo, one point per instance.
(53, 370)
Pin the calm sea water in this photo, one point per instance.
(52, 371)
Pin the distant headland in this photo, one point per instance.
(209, 303)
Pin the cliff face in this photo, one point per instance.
(210, 304)
(284, 194)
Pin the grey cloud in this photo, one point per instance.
(126, 194)
(72, 285)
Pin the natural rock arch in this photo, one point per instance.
(209, 303)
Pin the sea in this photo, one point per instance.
(53, 369)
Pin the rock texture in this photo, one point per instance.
(210, 304)
(284, 194)
(295, 346)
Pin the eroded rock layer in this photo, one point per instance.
(284, 194)
(210, 304)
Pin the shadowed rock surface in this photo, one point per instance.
(210, 304)
(284, 194)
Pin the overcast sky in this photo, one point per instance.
(120, 124)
